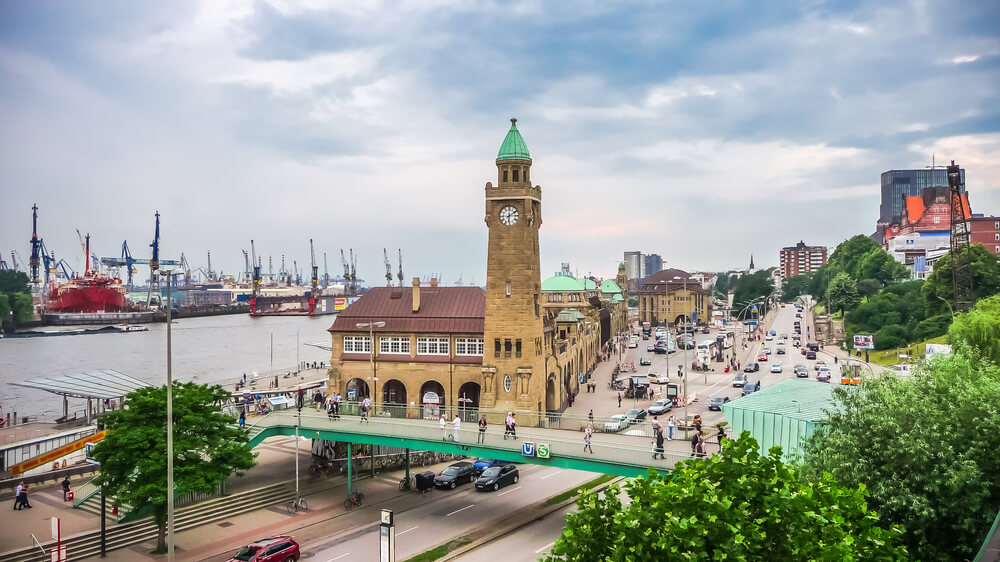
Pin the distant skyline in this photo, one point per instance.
(701, 132)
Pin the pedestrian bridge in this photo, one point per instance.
(623, 455)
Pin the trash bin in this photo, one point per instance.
(425, 481)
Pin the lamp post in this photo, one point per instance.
(371, 353)
(170, 426)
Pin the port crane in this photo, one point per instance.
(246, 272)
(37, 250)
(255, 290)
(16, 261)
(388, 268)
(3, 264)
(315, 269)
(186, 268)
(298, 274)
(326, 273)
(399, 274)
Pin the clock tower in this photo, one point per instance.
(513, 354)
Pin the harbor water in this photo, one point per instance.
(211, 349)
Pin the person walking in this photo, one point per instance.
(587, 434)
(24, 496)
(590, 417)
(695, 441)
(721, 435)
(482, 429)
(243, 418)
(513, 426)
(444, 428)
(17, 495)
(331, 405)
(65, 487)
(671, 424)
(619, 399)
(364, 411)
(658, 440)
(458, 425)
(508, 424)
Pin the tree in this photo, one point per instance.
(14, 282)
(925, 447)
(843, 293)
(133, 454)
(794, 287)
(985, 278)
(868, 287)
(16, 294)
(6, 320)
(722, 285)
(877, 264)
(850, 254)
(739, 505)
(979, 328)
(751, 287)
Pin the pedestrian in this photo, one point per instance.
(508, 424)
(17, 495)
(444, 428)
(658, 440)
(513, 426)
(318, 400)
(695, 439)
(364, 411)
(65, 487)
(244, 377)
(590, 416)
(24, 496)
(482, 429)
(458, 424)
(671, 424)
(243, 418)
(619, 399)
(331, 404)
(587, 434)
(721, 435)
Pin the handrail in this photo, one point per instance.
(85, 492)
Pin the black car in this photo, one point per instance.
(717, 402)
(496, 477)
(645, 361)
(810, 355)
(458, 473)
(635, 415)
(751, 368)
(749, 389)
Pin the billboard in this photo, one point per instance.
(864, 342)
(339, 304)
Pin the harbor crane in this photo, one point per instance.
(154, 266)
(209, 273)
(348, 277)
(36, 248)
(3, 264)
(354, 273)
(186, 268)
(315, 268)
(388, 268)
(399, 274)
(16, 261)
(326, 273)
(246, 272)
(256, 278)
(298, 274)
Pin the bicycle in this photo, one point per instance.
(298, 504)
(406, 484)
(354, 499)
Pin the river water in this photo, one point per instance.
(210, 349)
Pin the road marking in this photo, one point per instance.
(406, 531)
(339, 557)
(509, 491)
(463, 509)
(544, 548)
(553, 473)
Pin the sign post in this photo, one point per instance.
(387, 537)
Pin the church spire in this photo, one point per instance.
(751, 263)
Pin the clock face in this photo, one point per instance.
(508, 215)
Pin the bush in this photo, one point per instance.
(891, 337)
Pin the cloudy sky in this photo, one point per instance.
(703, 131)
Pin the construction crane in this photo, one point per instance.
(246, 272)
(326, 273)
(354, 273)
(399, 274)
(298, 274)
(16, 261)
(256, 278)
(388, 268)
(211, 274)
(347, 272)
(67, 270)
(270, 269)
(283, 275)
(186, 268)
(315, 268)
(3, 264)
(36, 247)
(154, 266)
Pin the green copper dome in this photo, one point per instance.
(513, 147)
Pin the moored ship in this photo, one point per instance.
(91, 292)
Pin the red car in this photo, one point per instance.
(762, 357)
(281, 548)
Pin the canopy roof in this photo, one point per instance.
(565, 283)
(513, 147)
(106, 383)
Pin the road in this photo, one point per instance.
(449, 514)
(527, 543)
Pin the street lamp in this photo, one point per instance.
(170, 425)
(371, 353)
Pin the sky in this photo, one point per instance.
(702, 131)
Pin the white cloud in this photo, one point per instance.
(979, 154)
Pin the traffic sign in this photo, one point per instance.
(543, 450)
(528, 449)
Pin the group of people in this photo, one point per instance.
(21, 497)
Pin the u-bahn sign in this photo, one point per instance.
(528, 449)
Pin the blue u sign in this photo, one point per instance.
(528, 449)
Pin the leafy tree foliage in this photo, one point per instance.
(752, 286)
(851, 254)
(868, 287)
(985, 278)
(6, 320)
(794, 287)
(14, 282)
(979, 328)
(15, 292)
(877, 264)
(897, 315)
(739, 505)
(133, 455)
(843, 293)
(723, 282)
(925, 447)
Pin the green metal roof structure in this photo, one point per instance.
(567, 284)
(571, 315)
(610, 286)
(513, 147)
(784, 414)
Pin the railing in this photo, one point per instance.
(85, 492)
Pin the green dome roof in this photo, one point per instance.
(513, 147)
(610, 286)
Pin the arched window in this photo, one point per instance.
(515, 176)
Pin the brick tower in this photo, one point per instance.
(513, 358)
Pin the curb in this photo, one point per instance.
(538, 510)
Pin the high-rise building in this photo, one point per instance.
(652, 263)
(986, 231)
(799, 259)
(897, 184)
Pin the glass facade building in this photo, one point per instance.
(897, 184)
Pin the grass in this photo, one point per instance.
(891, 356)
(819, 309)
(559, 498)
(437, 552)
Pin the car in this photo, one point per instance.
(752, 367)
(801, 371)
(658, 378)
(767, 350)
(483, 464)
(823, 375)
(819, 365)
(775, 367)
(780, 350)
(796, 338)
(635, 415)
(615, 423)
(798, 315)
(740, 380)
(810, 354)
(804, 351)
(496, 477)
(278, 548)
(705, 330)
(717, 402)
(650, 348)
(660, 349)
(772, 333)
(769, 337)
(748, 388)
(660, 407)
(645, 361)
(762, 357)
(779, 341)
(645, 337)
(633, 344)
(813, 346)
(458, 473)
(784, 336)
(660, 332)
(796, 343)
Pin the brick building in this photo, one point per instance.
(985, 231)
(673, 296)
(800, 259)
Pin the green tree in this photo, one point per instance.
(843, 293)
(850, 254)
(751, 287)
(723, 283)
(739, 505)
(133, 454)
(794, 287)
(985, 279)
(22, 307)
(14, 282)
(877, 264)
(6, 320)
(925, 447)
(868, 287)
(979, 328)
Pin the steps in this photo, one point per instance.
(86, 545)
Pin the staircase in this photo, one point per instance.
(87, 545)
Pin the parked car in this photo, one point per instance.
(645, 361)
(483, 464)
(740, 379)
(749, 388)
(615, 423)
(456, 474)
(635, 415)
(279, 548)
(775, 367)
(823, 375)
(819, 365)
(658, 378)
(762, 357)
(801, 371)
(496, 477)
(705, 330)
(752, 367)
(660, 407)
(810, 354)
(717, 402)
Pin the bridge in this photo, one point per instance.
(623, 455)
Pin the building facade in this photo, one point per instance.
(635, 270)
(653, 263)
(800, 259)
(985, 231)
(898, 184)
(672, 296)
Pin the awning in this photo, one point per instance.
(106, 383)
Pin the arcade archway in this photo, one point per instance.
(432, 399)
(550, 393)
(356, 389)
(468, 401)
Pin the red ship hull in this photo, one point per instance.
(88, 294)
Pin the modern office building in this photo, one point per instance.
(799, 259)
(635, 269)
(652, 263)
(899, 184)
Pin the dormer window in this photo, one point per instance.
(515, 176)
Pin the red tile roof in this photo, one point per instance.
(449, 310)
